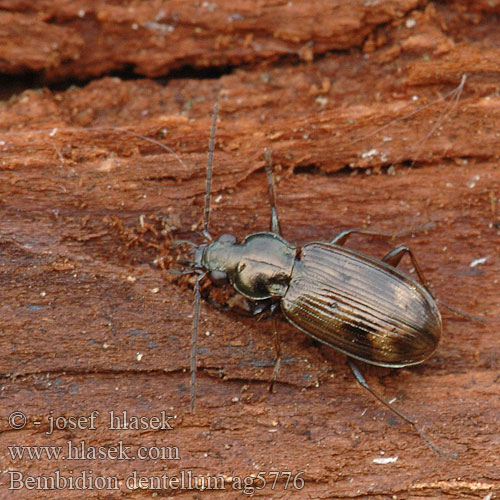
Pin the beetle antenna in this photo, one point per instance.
(208, 190)
(206, 234)
(362, 381)
(194, 340)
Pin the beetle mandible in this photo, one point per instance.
(361, 306)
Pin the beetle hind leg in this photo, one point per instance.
(362, 381)
(393, 258)
(342, 237)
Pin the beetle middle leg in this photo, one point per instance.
(260, 309)
(277, 350)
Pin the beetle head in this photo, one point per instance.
(208, 257)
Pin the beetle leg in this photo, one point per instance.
(277, 349)
(275, 225)
(393, 258)
(342, 237)
(258, 308)
(362, 381)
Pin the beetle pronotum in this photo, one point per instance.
(361, 306)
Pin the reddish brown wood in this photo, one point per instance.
(81, 39)
(88, 322)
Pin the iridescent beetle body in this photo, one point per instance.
(359, 305)
(356, 304)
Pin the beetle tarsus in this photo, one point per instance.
(274, 376)
(458, 312)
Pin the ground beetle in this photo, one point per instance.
(361, 306)
(364, 307)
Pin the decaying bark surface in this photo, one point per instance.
(361, 107)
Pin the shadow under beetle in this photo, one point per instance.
(364, 307)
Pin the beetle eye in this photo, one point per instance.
(229, 238)
(218, 277)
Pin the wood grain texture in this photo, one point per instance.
(365, 136)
